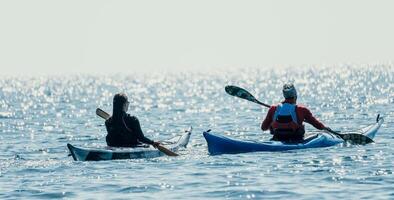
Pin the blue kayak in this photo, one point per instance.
(219, 144)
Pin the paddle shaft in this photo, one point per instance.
(263, 104)
(335, 133)
(161, 148)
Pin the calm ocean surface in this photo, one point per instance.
(40, 115)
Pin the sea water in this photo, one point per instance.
(39, 115)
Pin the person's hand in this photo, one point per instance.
(156, 144)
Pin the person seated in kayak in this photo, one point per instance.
(285, 120)
(123, 129)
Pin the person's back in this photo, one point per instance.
(124, 130)
(285, 120)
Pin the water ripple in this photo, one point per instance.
(39, 115)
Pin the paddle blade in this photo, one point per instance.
(102, 114)
(167, 151)
(239, 92)
(354, 138)
(243, 94)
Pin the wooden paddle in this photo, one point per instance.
(161, 148)
(352, 138)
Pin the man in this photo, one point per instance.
(285, 120)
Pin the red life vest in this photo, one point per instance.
(285, 118)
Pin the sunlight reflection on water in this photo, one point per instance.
(39, 115)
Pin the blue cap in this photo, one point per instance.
(289, 91)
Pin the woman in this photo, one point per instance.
(123, 129)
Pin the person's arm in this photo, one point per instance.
(108, 126)
(265, 125)
(309, 118)
(134, 123)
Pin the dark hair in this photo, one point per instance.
(120, 100)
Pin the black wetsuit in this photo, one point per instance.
(125, 131)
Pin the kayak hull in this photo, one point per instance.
(219, 144)
(114, 153)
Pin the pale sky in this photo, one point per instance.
(77, 36)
